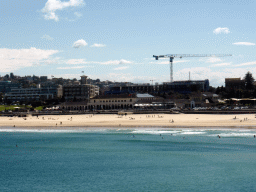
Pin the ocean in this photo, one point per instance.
(153, 159)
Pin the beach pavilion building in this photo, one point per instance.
(119, 102)
(102, 102)
(112, 102)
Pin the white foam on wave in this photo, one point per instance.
(67, 130)
(39, 130)
(151, 131)
(192, 133)
(154, 131)
(236, 134)
(47, 130)
(186, 131)
(244, 130)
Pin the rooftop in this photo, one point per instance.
(144, 95)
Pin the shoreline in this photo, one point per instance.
(170, 121)
(81, 129)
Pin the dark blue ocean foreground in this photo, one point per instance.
(128, 160)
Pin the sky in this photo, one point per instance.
(115, 40)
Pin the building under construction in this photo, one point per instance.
(183, 87)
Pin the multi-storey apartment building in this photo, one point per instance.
(6, 86)
(81, 91)
(28, 94)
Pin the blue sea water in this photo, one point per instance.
(128, 160)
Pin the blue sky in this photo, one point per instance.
(116, 40)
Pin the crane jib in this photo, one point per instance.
(172, 56)
(191, 55)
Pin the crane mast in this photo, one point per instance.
(172, 56)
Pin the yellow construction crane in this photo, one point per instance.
(172, 56)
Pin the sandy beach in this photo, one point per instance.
(138, 120)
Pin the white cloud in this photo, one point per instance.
(47, 37)
(52, 6)
(51, 16)
(213, 60)
(14, 59)
(121, 68)
(78, 14)
(216, 77)
(115, 62)
(246, 64)
(55, 60)
(123, 77)
(220, 30)
(98, 45)
(243, 43)
(78, 67)
(221, 64)
(76, 61)
(66, 76)
(79, 43)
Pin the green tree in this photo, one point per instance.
(248, 79)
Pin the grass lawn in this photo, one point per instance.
(11, 107)
(40, 108)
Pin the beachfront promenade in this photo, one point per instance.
(61, 112)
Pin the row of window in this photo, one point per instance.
(106, 101)
(76, 93)
(17, 93)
